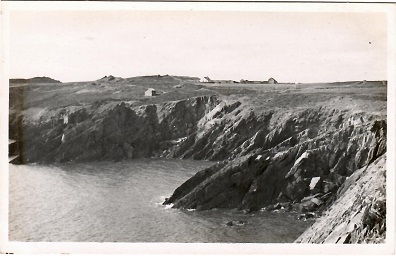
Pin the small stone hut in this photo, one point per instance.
(272, 81)
(150, 92)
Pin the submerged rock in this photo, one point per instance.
(306, 216)
(236, 223)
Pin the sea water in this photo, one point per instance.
(122, 202)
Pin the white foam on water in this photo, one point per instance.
(168, 206)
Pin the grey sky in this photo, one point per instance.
(291, 47)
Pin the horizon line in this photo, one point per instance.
(237, 81)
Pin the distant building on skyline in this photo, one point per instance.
(272, 81)
(206, 79)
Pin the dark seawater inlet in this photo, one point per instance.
(122, 202)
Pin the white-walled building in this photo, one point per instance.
(150, 92)
(206, 79)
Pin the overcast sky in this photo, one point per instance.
(291, 47)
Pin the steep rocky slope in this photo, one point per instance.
(359, 215)
(301, 160)
(296, 158)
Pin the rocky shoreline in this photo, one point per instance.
(292, 152)
(296, 168)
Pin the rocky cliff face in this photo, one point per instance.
(359, 213)
(297, 159)
(298, 156)
(113, 131)
(302, 159)
(298, 150)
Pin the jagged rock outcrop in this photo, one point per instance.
(110, 78)
(222, 131)
(358, 215)
(301, 158)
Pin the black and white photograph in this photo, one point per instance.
(197, 125)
